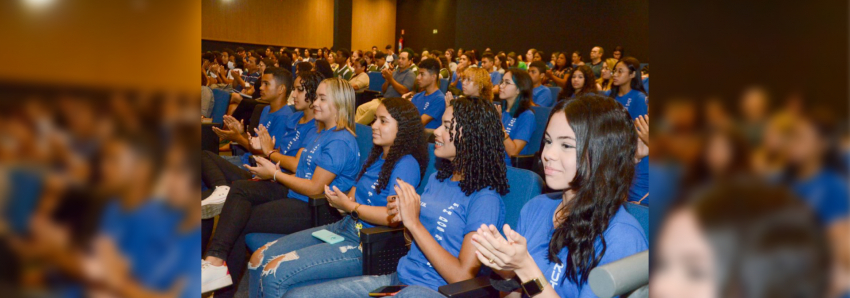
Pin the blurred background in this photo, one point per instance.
(98, 139)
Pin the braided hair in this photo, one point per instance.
(480, 149)
(408, 141)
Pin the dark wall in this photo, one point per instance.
(420, 18)
(510, 25)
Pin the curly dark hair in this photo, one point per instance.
(605, 148)
(408, 141)
(310, 82)
(480, 149)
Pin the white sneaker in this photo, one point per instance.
(218, 196)
(214, 277)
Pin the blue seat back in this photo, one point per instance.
(541, 116)
(524, 186)
(555, 91)
(444, 85)
(364, 141)
(376, 81)
(221, 100)
(430, 169)
(641, 213)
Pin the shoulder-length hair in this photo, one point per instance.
(341, 94)
(588, 87)
(605, 149)
(524, 100)
(481, 78)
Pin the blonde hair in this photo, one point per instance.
(480, 77)
(610, 63)
(341, 94)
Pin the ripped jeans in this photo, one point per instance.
(300, 259)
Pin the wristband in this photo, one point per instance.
(274, 177)
(269, 156)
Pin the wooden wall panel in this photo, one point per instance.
(291, 23)
(372, 23)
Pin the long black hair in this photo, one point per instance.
(605, 148)
(636, 82)
(324, 68)
(480, 149)
(408, 141)
(523, 83)
(589, 83)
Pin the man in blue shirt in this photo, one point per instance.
(542, 95)
(431, 102)
(487, 63)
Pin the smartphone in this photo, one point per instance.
(386, 291)
(327, 236)
(252, 161)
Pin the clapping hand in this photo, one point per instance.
(499, 253)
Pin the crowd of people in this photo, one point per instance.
(593, 152)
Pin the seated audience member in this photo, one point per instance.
(558, 75)
(303, 67)
(320, 54)
(476, 83)
(288, 128)
(501, 64)
(324, 68)
(465, 61)
(514, 61)
(277, 203)
(431, 101)
(246, 84)
(370, 59)
(618, 53)
(450, 55)
(399, 154)
(360, 80)
(538, 56)
(628, 90)
(553, 60)
(517, 116)
(380, 62)
(596, 60)
(269, 51)
(392, 58)
(542, 94)
(581, 82)
(308, 57)
(470, 141)
(529, 56)
(488, 63)
(445, 73)
(344, 71)
(561, 237)
(332, 59)
(374, 50)
(240, 51)
(605, 82)
(400, 80)
(576, 59)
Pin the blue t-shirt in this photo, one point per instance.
(406, 169)
(432, 105)
(624, 237)
(495, 78)
(448, 215)
(635, 102)
(335, 151)
(141, 235)
(827, 194)
(543, 96)
(283, 126)
(519, 128)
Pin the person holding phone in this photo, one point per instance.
(278, 203)
(588, 154)
(400, 154)
(460, 197)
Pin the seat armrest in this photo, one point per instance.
(209, 140)
(621, 276)
(321, 213)
(470, 288)
(382, 248)
(524, 161)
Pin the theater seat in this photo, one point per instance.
(541, 117)
(444, 85)
(430, 169)
(222, 101)
(376, 81)
(555, 91)
(524, 185)
(364, 141)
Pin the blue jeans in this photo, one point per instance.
(300, 259)
(360, 286)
